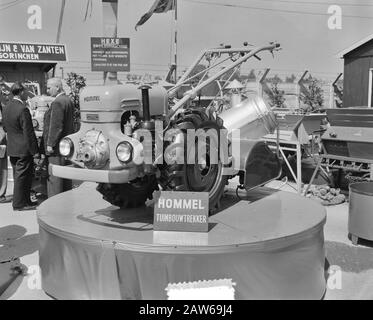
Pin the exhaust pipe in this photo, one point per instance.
(145, 101)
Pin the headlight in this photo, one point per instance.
(66, 147)
(35, 123)
(124, 152)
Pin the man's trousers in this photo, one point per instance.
(3, 175)
(22, 174)
(56, 185)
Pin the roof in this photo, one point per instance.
(356, 45)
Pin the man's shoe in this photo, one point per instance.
(25, 208)
(6, 199)
(32, 203)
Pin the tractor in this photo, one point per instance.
(134, 140)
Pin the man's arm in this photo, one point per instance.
(56, 124)
(28, 131)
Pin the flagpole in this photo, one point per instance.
(110, 30)
(60, 21)
(175, 39)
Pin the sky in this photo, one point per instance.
(300, 26)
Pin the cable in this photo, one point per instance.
(279, 72)
(135, 64)
(12, 4)
(284, 181)
(273, 10)
(239, 187)
(7, 3)
(320, 3)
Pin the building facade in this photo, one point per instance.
(358, 74)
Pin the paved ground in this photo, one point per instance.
(350, 267)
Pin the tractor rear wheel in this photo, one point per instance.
(205, 174)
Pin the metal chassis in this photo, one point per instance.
(329, 161)
(238, 56)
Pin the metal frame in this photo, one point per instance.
(214, 57)
(283, 145)
(340, 162)
(276, 143)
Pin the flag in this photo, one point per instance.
(159, 6)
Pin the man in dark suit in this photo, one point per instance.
(3, 154)
(21, 146)
(58, 123)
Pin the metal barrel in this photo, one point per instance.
(360, 217)
(252, 116)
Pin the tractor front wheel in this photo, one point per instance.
(129, 195)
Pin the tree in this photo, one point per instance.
(313, 96)
(290, 79)
(277, 96)
(76, 83)
(275, 79)
(231, 75)
(251, 76)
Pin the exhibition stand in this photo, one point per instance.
(271, 245)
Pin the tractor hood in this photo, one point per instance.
(123, 97)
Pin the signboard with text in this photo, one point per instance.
(110, 54)
(32, 52)
(182, 211)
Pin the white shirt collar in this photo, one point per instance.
(19, 100)
(61, 93)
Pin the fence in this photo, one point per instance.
(332, 91)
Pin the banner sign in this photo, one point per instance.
(182, 211)
(110, 54)
(32, 52)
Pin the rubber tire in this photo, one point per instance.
(129, 195)
(174, 176)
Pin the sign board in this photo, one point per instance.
(182, 211)
(32, 52)
(110, 54)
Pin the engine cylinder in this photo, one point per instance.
(93, 150)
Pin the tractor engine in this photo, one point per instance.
(93, 150)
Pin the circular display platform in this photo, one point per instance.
(272, 247)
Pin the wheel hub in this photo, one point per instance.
(202, 176)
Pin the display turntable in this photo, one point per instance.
(271, 246)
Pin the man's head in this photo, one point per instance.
(54, 87)
(19, 90)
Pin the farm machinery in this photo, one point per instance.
(39, 105)
(347, 144)
(134, 139)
